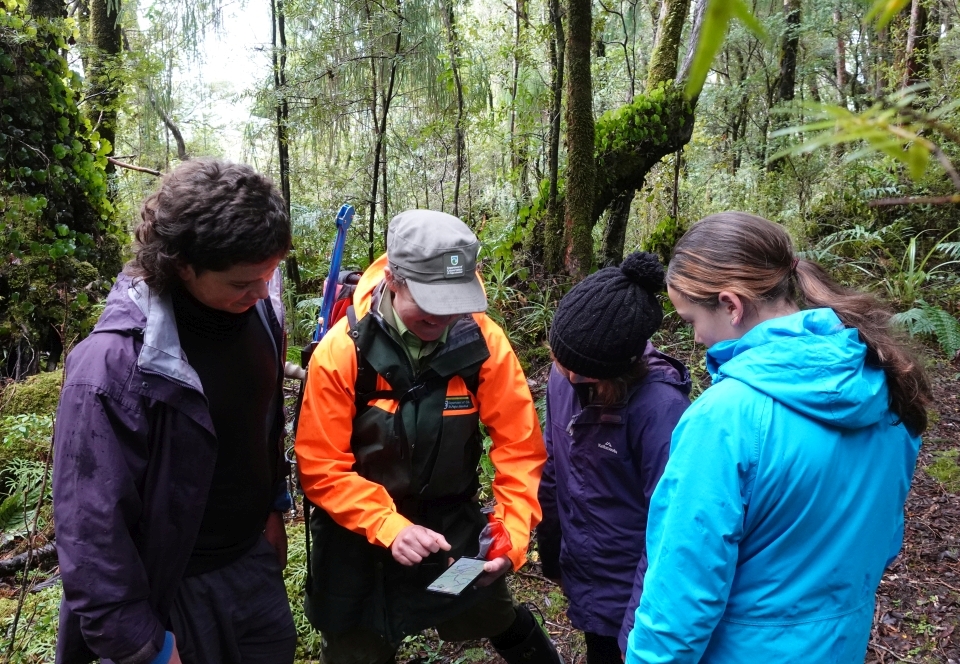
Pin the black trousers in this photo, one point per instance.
(602, 649)
(238, 614)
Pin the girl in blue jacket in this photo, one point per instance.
(783, 498)
(612, 403)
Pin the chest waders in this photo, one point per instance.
(424, 449)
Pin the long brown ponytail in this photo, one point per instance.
(754, 258)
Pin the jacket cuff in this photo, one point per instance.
(283, 501)
(167, 652)
(390, 528)
(518, 556)
(150, 652)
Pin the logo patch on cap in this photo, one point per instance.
(453, 265)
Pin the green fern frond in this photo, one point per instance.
(950, 249)
(915, 321)
(945, 327)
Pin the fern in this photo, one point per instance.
(928, 319)
(23, 486)
(951, 249)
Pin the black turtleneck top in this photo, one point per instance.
(235, 359)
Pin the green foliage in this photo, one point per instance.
(928, 319)
(294, 578)
(644, 123)
(521, 306)
(883, 11)
(891, 126)
(713, 31)
(57, 232)
(24, 490)
(37, 394)
(25, 437)
(663, 238)
(37, 630)
(946, 470)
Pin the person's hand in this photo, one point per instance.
(414, 543)
(276, 533)
(174, 656)
(493, 570)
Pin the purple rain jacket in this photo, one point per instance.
(135, 454)
(602, 467)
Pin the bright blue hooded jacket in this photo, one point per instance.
(780, 506)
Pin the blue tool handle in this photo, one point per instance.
(344, 219)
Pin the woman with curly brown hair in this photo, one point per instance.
(169, 476)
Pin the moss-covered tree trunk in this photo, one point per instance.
(615, 234)
(663, 62)
(632, 139)
(105, 79)
(581, 166)
(56, 224)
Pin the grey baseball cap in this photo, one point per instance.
(437, 254)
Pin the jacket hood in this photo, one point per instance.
(809, 362)
(369, 280)
(121, 314)
(665, 369)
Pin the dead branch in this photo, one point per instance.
(916, 200)
(139, 169)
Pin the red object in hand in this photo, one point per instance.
(494, 539)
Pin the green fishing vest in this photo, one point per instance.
(425, 454)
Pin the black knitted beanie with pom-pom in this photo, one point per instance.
(602, 325)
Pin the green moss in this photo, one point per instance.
(946, 470)
(37, 394)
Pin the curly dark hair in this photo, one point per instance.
(209, 214)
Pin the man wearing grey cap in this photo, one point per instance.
(388, 448)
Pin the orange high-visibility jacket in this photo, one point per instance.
(326, 461)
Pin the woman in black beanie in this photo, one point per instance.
(613, 401)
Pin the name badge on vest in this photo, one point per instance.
(458, 403)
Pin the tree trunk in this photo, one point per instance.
(581, 166)
(615, 234)
(379, 119)
(169, 124)
(786, 85)
(915, 56)
(553, 227)
(518, 156)
(47, 8)
(282, 114)
(453, 46)
(666, 46)
(105, 82)
(841, 57)
(933, 35)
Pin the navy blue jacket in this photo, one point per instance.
(603, 465)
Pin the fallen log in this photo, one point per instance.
(14, 564)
